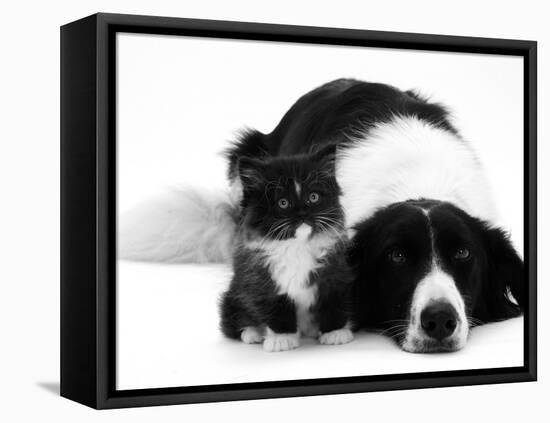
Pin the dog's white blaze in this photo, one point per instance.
(435, 286)
(290, 263)
(408, 158)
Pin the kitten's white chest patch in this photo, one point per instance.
(291, 261)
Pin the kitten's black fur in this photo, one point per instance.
(254, 298)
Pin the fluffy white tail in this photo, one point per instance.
(181, 226)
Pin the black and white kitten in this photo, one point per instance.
(290, 277)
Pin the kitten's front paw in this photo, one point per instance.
(251, 335)
(336, 337)
(281, 342)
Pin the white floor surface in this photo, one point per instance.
(167, 335)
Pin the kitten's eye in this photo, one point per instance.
(313, 197)
(284, 203)
(462, 254)
(397, 256)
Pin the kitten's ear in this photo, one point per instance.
(250, 172)
(326, 157)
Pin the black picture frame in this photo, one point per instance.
(88, 215)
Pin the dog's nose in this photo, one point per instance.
(439, 320)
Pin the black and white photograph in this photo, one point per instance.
(294, 211)
(242, 211)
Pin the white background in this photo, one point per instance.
(30, 212)
(181, 99)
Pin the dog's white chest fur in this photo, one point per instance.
(291, 263)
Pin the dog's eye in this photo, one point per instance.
(313, 197)
(283, 203)
(397, 256)
(462, 254)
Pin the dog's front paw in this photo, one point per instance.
(251, 335)
(275, 342)
(336, 337)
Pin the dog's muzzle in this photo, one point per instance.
(437, 318)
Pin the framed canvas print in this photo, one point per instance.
(255, 210)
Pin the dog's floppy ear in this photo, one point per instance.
(505, 276)
(360, 257)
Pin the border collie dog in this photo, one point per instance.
(428, 261)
